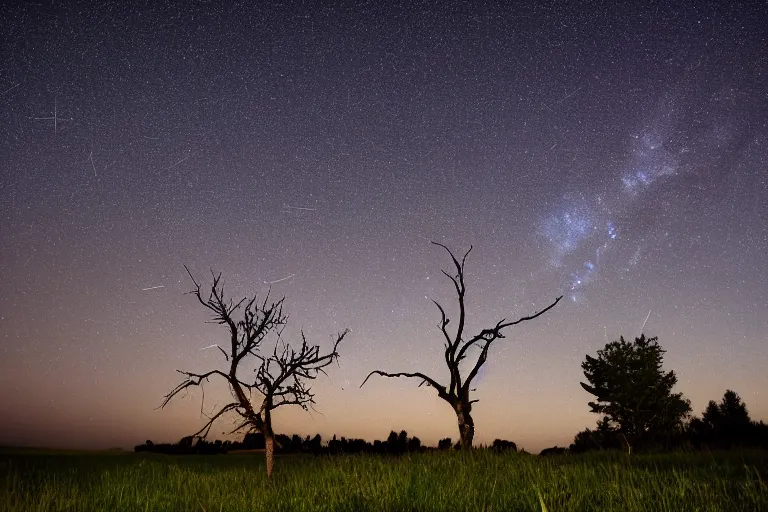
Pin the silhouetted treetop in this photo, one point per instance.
(632, 390)
(727, 425)
(730, 414)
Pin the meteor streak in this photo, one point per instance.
(646, 321)
(280, 280)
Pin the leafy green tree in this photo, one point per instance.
(633, 392)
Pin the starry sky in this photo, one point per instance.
(614, 154)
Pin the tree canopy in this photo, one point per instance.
(633, 392)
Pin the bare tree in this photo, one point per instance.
(457, 393)
(280, 378)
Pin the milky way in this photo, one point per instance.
(586, 225)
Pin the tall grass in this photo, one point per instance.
(480, 480)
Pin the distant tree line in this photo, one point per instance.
(395, 444)
(186, 446)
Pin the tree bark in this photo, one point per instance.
(269, 441)
(466, 428)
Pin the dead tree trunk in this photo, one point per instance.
(269, 441)
(466, 425)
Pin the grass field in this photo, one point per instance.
(41, 481)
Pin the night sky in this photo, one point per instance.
(617, 155)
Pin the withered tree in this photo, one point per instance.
(280, 378)
(457, 346)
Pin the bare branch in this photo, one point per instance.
(416, 375)
(492, 335)
(240, 426)
(203, 432)
(478, 364)
(531, 317)
(452, 345)
(443, 324)
(459, 266)
(193, 379)
(286, 384)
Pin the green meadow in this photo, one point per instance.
(36, 481)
